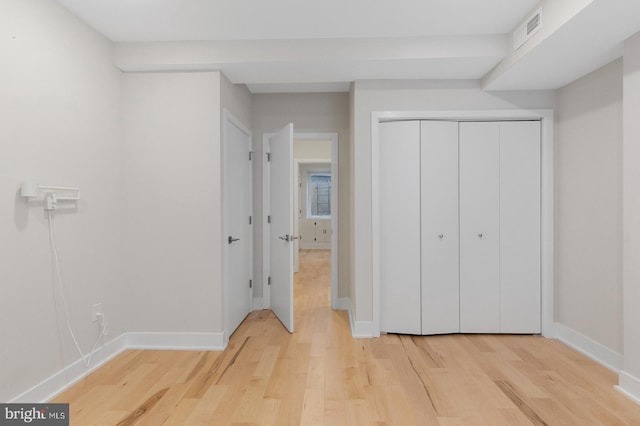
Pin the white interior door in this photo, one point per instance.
(399, 174)
(237, 223)
(479, 227)
(281, 229)
(439, 200)
(520, 296)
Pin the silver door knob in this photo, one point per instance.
(480, 235)
(285, 238)
(441, 236)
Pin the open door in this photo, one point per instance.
(281, 237)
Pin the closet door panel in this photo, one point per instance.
(439, 200)
(479, 227)
(399, 174)
(520, 227)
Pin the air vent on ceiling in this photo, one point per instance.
(527, 29)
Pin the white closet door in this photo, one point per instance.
(439, 199)
(399, 174)
(520, 227)
(479, 227)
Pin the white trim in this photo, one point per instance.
(343, 304)
(629, 386)
(360, 329)
(546, 220)
(229, 119)
(589, 347)
(72, 374)
(258, 304)
(177, 341)
(266, 226)
(546, 246)
(333, 137)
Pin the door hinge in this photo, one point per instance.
(250, 283)
(269, 281)
(250, 220)
(268, 156)
(268, 219)
(251, 155)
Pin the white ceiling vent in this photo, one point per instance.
(527, 29)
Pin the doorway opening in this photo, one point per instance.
(315, 208)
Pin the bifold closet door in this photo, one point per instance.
(399, 192)
(520, 297)
(479, 162)
(439, 200)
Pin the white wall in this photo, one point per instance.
(372, 96)
(60, 108)
(173, 209)
(588, 206)
(630, 377)
(310, 112)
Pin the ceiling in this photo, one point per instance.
(301, 45)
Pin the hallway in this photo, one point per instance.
(320, 375)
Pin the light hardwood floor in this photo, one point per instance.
(320, 375)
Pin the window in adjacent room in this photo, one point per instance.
(319, 195)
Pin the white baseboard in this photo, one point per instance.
(70, 375)
(343, 304)
(257, 304)
(177, 341)
(589, 347)
(629, 386)
(360, 329)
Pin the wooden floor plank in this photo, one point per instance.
(321, 375)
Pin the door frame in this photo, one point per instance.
(545, 116)
(333, 137)
(228, 119)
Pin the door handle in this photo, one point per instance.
(233, 240)
(285, 238)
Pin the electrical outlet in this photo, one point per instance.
(50, 202)
(96, 309)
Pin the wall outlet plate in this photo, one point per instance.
(95, 310)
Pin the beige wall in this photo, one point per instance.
(630, 377)
(588, 206)
(173, 206)
(236, 99)
(61, 125)
(311, 150)
(309, 112)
